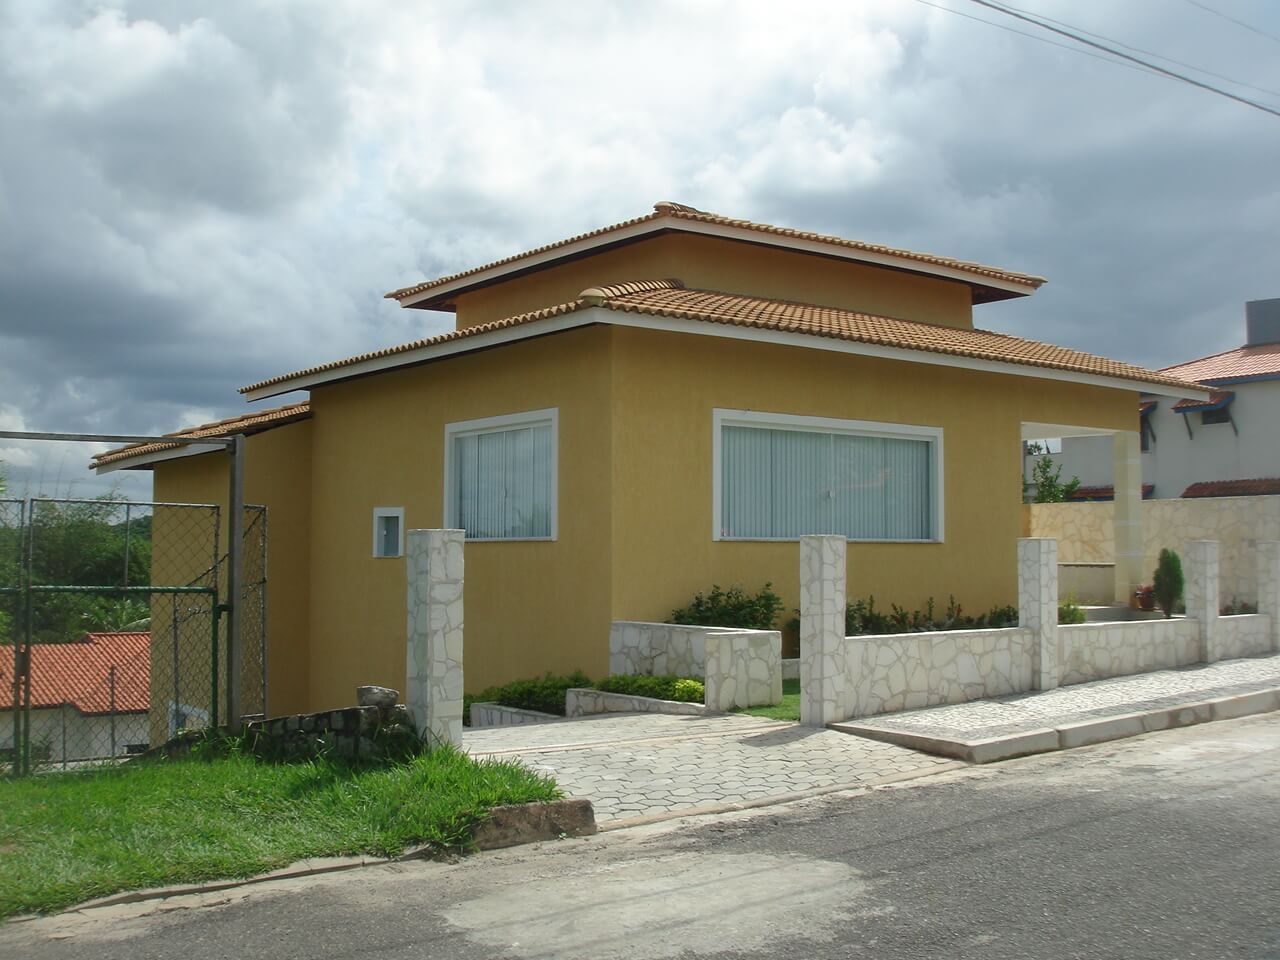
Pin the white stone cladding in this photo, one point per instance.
(581, 702)
(1269, 587)
(657, 649)
(498, 715)
(1200, 570)
(823, 668)
(434, 566)
(1097, 651)
(1243, 636)
(907, 671)
(1038, 607)
(744, 669)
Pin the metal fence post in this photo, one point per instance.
(235, 581)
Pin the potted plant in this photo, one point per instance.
(1146, 597)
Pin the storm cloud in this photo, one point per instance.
(191, 201)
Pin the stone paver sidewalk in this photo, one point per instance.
(650, 765)
(1017, 714)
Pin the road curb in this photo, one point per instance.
(507, 826)
(1067, 736)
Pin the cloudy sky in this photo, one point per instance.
(197, 196)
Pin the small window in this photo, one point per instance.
(1148, 435)
(500, 476)
(388, 531)
(1216, 416)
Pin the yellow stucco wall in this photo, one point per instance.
(277, 474)
(666, 387)
(717, 264)
(529, 606)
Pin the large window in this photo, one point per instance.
(780, 477)
(500, 476)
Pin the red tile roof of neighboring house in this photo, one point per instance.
(1234, 488)
(670, 298)
(247, 424)
(1107, 492)
(1242, 363)
(668, 211)
(79, 674)
(1217, 399)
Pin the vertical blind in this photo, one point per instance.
(789, 483)
(388, 535)
(502, 483)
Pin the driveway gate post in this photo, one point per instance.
(433, 670)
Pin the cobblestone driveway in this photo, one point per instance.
(649, 765)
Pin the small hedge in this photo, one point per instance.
(545, 694)
(732, 608)
(684, 689)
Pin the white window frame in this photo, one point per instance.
(722, 418)
(378, 514)
(528, 418)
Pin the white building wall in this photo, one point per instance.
(85, 737)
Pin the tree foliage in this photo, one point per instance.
(1046, 479)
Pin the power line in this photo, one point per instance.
(1008, 11)
(1033, 36)
(1239, 23)
(1152, 53)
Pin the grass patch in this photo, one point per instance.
(70, 837)
(788, 709)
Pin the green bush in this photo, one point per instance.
(684, 689)
(732, 608)
(861, 617)
(545, 695)
(1070, 612)
(1168, 581)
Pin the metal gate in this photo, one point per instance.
(114, 614)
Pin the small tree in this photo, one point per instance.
(1046, 477)
(1168, 581)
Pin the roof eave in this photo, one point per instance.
(146, 460)
(588, 315)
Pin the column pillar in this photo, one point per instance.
(1126, 478)
(1200, 572)
(822, 608)
(1038, 606)
(433, 561)
(1269, 586)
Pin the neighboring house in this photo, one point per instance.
(1227, 444)
(89, 698)
(624, 418)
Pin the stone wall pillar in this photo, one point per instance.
(1269, 586)
(1038, 607)
(433, 561)
(822, 608)
(743, 669)
(1126, 477)
(1200, 570)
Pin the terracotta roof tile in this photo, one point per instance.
(677, 211)
(1217, 399)
(670, 298)
(1107, 492)
(247, 424)
(79, 674)
(1260, 361)
(1234, 488)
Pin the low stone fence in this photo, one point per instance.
(907, 671)
(499, 715)
(741, 668)
(847, 677)
(582, 702)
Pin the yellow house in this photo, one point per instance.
(622, 419)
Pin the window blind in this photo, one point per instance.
(502, 483)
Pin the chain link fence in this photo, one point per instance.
(116, 611)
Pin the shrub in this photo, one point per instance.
(1070, 612)
(861, 617)
(1168, 581)
(545, 694)
(732, 608)
(684, 689)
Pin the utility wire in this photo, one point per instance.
(1151, 53)
(999, 8)
(1240, 23)
(1033, 36)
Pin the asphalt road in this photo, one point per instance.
(1165, 846)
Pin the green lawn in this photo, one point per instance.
(788, 709)
(70, 837)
